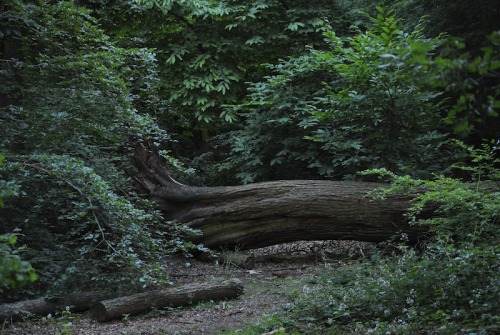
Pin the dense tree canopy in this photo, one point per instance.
(236, 92)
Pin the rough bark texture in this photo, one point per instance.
(78, 301)
(171, 297)
(263, 214)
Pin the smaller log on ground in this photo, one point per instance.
(27, 308)
(77, 301)
(170, 297)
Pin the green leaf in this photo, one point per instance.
(294, 26)
(255, 40)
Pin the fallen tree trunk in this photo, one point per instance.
(171, 297)
(263, 214)
(78, 301)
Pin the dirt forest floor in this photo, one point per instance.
(269, 275)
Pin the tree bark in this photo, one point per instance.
(263, 214)
(78, 301)
(171, 297)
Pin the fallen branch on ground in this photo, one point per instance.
(170, 297)
(78, 301)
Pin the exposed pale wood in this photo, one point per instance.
(263, 214)
(170, 297)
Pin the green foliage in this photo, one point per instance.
(369, 101)
(209, 49)
(474, 90)
(381, 111)
(447, 291)
(208, 52)
(274, 110)
(469, 20)
(74, 104)
(466, 212)
(472, 85)
(66, 55)
(79, 85)
(7, 188)
(106, 231)
(14, 272)
(62, 323)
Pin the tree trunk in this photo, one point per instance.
(78, 301)
(263, 214)
(171, 297)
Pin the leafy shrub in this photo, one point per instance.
(210, 49)
(14, 272)
(78, 104)
(208, 54)
(270, 145)
(473, 88)
(367, 102)
(467, 211)
(93, 236)
(448, 291)
(381, 110)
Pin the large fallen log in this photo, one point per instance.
(78, 301)
(263, 214)
(170, 297)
